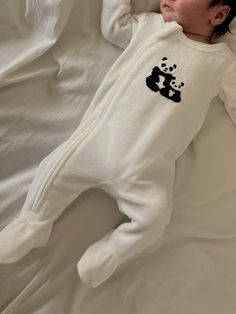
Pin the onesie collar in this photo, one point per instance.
(174, 27)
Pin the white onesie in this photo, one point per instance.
(151, 104)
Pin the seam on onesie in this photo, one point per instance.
(88, 130)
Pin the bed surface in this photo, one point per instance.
(53, 58)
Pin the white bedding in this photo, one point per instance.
(52, 60)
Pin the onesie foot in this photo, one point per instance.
(20, 236)
(97, 264)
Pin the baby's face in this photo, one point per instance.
(190, 14)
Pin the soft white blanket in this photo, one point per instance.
(52, 60)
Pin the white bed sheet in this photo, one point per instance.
(52, 60)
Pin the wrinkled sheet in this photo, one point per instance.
(52, 60)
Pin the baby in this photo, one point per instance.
(150, 106)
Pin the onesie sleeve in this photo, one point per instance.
(118, 25)
(227, 91)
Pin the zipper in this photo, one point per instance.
(75, 141)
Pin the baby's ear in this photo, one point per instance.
(220, 15)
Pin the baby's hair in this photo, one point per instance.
(223, 28)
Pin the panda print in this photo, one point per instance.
(163, 81)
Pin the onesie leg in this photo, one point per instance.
(149, 208)
(20, 236)
(61, 178)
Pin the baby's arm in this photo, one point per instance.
(118, 25)
(227, 91)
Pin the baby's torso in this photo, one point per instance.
(155, 87)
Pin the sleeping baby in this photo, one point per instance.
(151, 104)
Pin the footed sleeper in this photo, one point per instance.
(149, 107)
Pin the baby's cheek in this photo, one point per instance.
(189, 10)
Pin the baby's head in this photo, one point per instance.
(206, 18)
